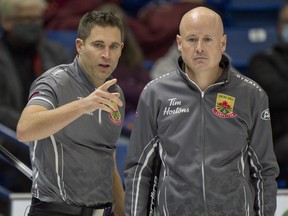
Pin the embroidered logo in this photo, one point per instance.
(265, 115)
(115, 117)
(224, 106)
(175, 107)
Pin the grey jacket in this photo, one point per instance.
(74, 165)
(215, 146)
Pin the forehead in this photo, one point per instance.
(107, 34)
(200, 25)
(198, 29)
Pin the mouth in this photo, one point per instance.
(104, 66)
(200, 58)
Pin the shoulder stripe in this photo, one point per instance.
(44, 99)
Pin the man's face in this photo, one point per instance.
(24, 15)
(201, 44)
(100, 52)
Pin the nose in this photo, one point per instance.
(105, 53)
(199, 48)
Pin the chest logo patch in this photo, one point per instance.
(224, 106)
(115, 117)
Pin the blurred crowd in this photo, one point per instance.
(150, 51)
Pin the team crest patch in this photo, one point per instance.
(224, 106)
(115, 117)
(265, 115)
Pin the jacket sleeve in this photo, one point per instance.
(263, 164)
(138, 166)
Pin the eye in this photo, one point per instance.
(208, 39)
(193, 40)
(114, 46)
(98, 45)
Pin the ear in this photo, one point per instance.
(79, 44)
(223, 43)
(179, 42)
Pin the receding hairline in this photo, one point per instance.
(202, 12)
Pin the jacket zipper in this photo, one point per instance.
(203, 152)
(203, 141)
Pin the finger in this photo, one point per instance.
(109, 105)
(106, 108)
(110, 99)
(115, 99)
(107, 84)
(112, 105)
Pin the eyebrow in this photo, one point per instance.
(101, 41)
(194, 35)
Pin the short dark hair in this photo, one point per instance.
(99, 18)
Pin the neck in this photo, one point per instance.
(205, 78)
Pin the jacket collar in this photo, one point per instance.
(225, 63)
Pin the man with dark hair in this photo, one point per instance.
(73, 120)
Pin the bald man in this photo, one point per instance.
(211, 127)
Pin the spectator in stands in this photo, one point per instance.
(131, 74)
(25, 54)
(133, 7)
(270, 69)
(166, 63)
(156, 25)
(69, 12)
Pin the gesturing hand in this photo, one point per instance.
(102, 99)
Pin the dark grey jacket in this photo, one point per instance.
(215, 146)
(74, 165)
(11, 101)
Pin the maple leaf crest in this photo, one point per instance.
(224, 107)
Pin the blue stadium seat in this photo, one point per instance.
(251, 13)
(66, 38)
(244, 42)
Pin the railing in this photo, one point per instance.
(6, 155)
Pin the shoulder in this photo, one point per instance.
(165, 79)
(246, 84)
(157, 88)
(56, 74)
